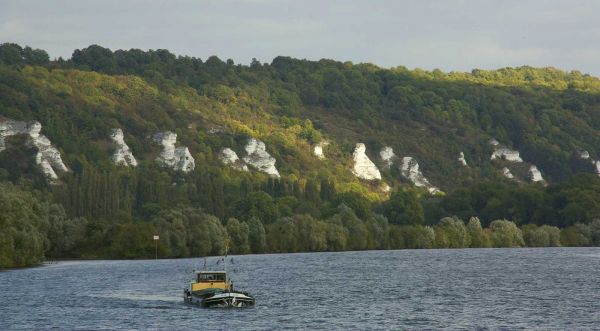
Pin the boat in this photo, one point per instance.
(213, 289)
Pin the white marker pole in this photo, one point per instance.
(155, 246)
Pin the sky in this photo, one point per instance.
(451, 35)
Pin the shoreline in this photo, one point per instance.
(56, 261)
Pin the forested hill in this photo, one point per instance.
(265, 156)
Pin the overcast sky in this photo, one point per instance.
(449, 35)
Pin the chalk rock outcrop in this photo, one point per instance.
(493, 142)
(506, 154)
(506, 172)
(409, 168)
(461, 159)
(176, 158)
(364, 168)
(583, 154)
(258, 158)
(596, 167)
(534, 175)
(230, 158)
(387, 156)
(47, 157)
(122, 155)
(318, 149)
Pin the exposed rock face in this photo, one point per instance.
(258, 158)
(179, 158)
(461, 159)
(409, 169)
(506, 154)
(387, 156)
(364, 168)
(535, 175)
(596, 167)
(494, 142)
(318, 149)
(229, 157)
(584, 155)
(506, 172)
(122, 155)
(47, 157)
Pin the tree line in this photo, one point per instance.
(35, 229)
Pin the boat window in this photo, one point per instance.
(220, 277)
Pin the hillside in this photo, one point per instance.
(216, 179)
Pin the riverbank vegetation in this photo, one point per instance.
(35, 229)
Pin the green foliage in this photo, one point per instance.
(479, 238)
(99, 210)
(541, 236)
(23, 227)
(505, 233)
(256, 236)
(560, 204)
(13, 54)
(404, 208)
(238, 233)
(454, 232)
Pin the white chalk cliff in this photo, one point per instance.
(506, 172)
(47, 157)
(596, 167)
(387, 156)
(535, 175)
(583, 154)
(461, 159)
(258, 158)
(230, 158)
(318, 149)
(179, 158)
(506, 154)
(122, 155)
(409, 168)
(493, 142)
(364, 168)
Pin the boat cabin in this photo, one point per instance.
(210, 280)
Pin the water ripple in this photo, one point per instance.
(477, 289)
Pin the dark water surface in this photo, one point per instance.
(552, 288)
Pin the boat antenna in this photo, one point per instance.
(225, 261)
(225, 258)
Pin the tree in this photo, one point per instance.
(238, 236)
(455, 232)
(311, 234)
(281, 236)
(257, 204)
(357, 231)
(478, 237)
(505, 234)
(256, 235)
(404, 208)
(534, 236)
(378, 228)
(577, 235)
(24, 225)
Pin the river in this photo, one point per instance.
(549, 288)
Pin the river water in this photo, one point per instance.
(550, 288)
